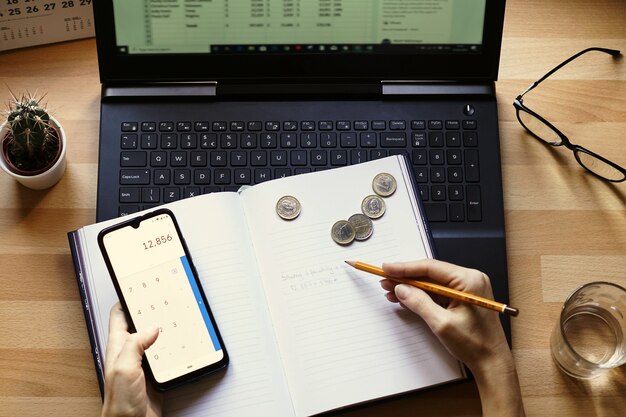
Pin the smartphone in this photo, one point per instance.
(157, 285)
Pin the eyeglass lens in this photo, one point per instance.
(548, 135)
(598, 166)
(539, 128)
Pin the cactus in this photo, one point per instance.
(32, 140)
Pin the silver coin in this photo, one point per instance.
(373, 206)
(363, 226)
(288, 207)
(384, 184)
(343, 232)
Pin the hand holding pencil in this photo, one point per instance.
(473, 335)
(433, 288)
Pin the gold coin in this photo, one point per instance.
(373, 206)
(363, 226)
(288, 207)
(384, 184)
(343, 232)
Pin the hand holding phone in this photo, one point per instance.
(157, 285)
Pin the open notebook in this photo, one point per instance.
(306, 333)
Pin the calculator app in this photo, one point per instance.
(160, 290)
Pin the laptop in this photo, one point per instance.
(209, 96)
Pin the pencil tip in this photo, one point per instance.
(351, 263)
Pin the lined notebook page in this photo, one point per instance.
(253, 383)
(341, 341)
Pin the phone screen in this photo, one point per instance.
(157, 285)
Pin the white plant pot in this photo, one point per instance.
(47, 178)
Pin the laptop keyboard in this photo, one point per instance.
(164, 161)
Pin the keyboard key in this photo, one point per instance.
(470, 124)
(470, 139)
(361, 125)
(161, 177)
(201, 176)
(344, 125)
(472, 172)
(201, 126)
(133, 159)
(419, 139)
(368, 139)
(338, 158)
(130, 195)
(457, 212)
(435, 139)
(166, 127)
(393, 139)
(255, 126)
(182, 177)
(348, 140)
(418, 124)
(129, 126)
(169, 141)
(237, 126)
(183, 126)
(290, 125)
(190, 192)
(158, 159)
(129, 141)
(149, 141)
(397, 125)
(455, 192)
(171, 194)
(151, 195)
(148, 126)
(474, 204)
(135, 177)
(436, 212)
(379, 125)
(435, 124)
(438, 192)
(453, 124)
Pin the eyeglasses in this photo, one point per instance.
(545, 131)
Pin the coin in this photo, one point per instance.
(373, 206)
(343, 232)
(384, 184)
(288, 207)
(363, 226)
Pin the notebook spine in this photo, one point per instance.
(77, 259)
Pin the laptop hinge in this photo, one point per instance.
(402, 88)
(161, 90)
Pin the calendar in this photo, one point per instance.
(35, 22)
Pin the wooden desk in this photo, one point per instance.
(563, 226)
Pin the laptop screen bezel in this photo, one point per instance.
(307, 67)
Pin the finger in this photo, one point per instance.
(388, 285)
(436, 270)
(135, 346)
(118, 330)
(420, 303)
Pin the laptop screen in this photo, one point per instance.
(298, 40)
(298, 26)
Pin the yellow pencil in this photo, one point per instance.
(439, 289)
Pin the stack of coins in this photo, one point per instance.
(360, 226)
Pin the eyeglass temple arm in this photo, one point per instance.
(613, 52)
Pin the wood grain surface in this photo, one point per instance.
(564, 227)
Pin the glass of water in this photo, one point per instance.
(590, 335)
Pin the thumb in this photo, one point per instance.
(420, 303)
(135, 345)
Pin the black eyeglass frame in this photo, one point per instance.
(576, 149)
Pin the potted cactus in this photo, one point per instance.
(33, 143)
